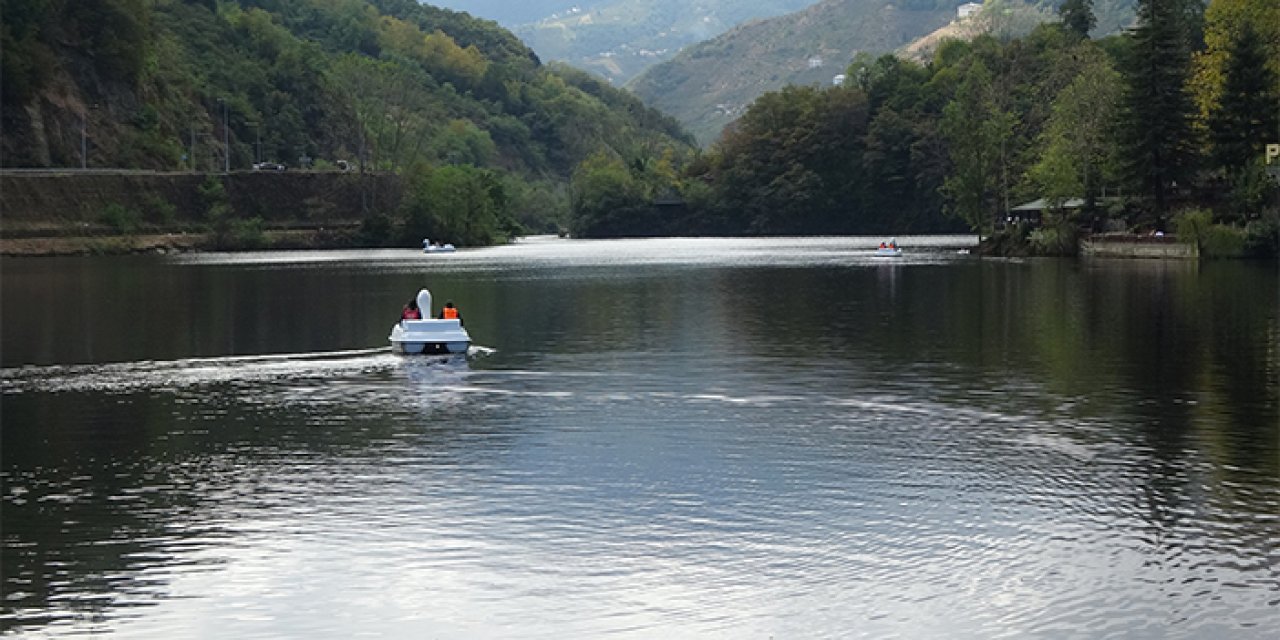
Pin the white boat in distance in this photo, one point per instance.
(889, 249)
(429, 337)
(432, 247)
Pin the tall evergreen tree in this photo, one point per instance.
(1248, 115)
(1158, 139)
(1077, 16)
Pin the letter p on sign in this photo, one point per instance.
(1273, 153)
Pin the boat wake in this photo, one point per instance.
(120, 377)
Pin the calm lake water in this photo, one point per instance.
(784, 438)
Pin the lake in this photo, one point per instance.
(684, 438)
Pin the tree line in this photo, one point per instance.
(1159, 129)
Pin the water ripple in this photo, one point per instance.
(469, 500)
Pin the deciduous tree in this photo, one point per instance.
(975, 128)
(1079, 140)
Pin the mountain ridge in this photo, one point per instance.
(706, 86)
(618, 39)
(511, 15)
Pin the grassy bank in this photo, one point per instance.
(163, 243)
(71, 213)
(1197, 237)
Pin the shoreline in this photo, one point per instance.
(49, 246)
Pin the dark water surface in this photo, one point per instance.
(661, 438)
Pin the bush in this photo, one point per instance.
(240, 235)
(248, 234)
(160, 212)
(214, 196)
(1262, 238)
(1192, 227)
(1011, 241)
(121, 219)
(1223, 241)
(1056, 240)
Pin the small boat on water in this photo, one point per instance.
(889, 249)
(435, 247)
(429, 337)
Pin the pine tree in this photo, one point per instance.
(1158, 139)
(1248, 115)
(1077, 16)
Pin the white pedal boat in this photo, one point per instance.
(429, 337)
(889, 249)
(434, 247)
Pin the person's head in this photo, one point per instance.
(448, 305)
(413, 304)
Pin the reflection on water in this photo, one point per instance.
(691, 438)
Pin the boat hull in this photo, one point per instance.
(429, 337)
(429, 348)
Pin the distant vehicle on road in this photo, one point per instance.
(268, 166)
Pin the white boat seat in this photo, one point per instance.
(431, 325)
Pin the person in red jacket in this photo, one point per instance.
(411, 311)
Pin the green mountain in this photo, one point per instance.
(620, 38)
(388, 84)
(710, 84)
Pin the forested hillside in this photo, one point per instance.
(1160, 129)
(386, 85)
(708, 84)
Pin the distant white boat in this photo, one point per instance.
(429, 337)
(889, 249)
(434, 247)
